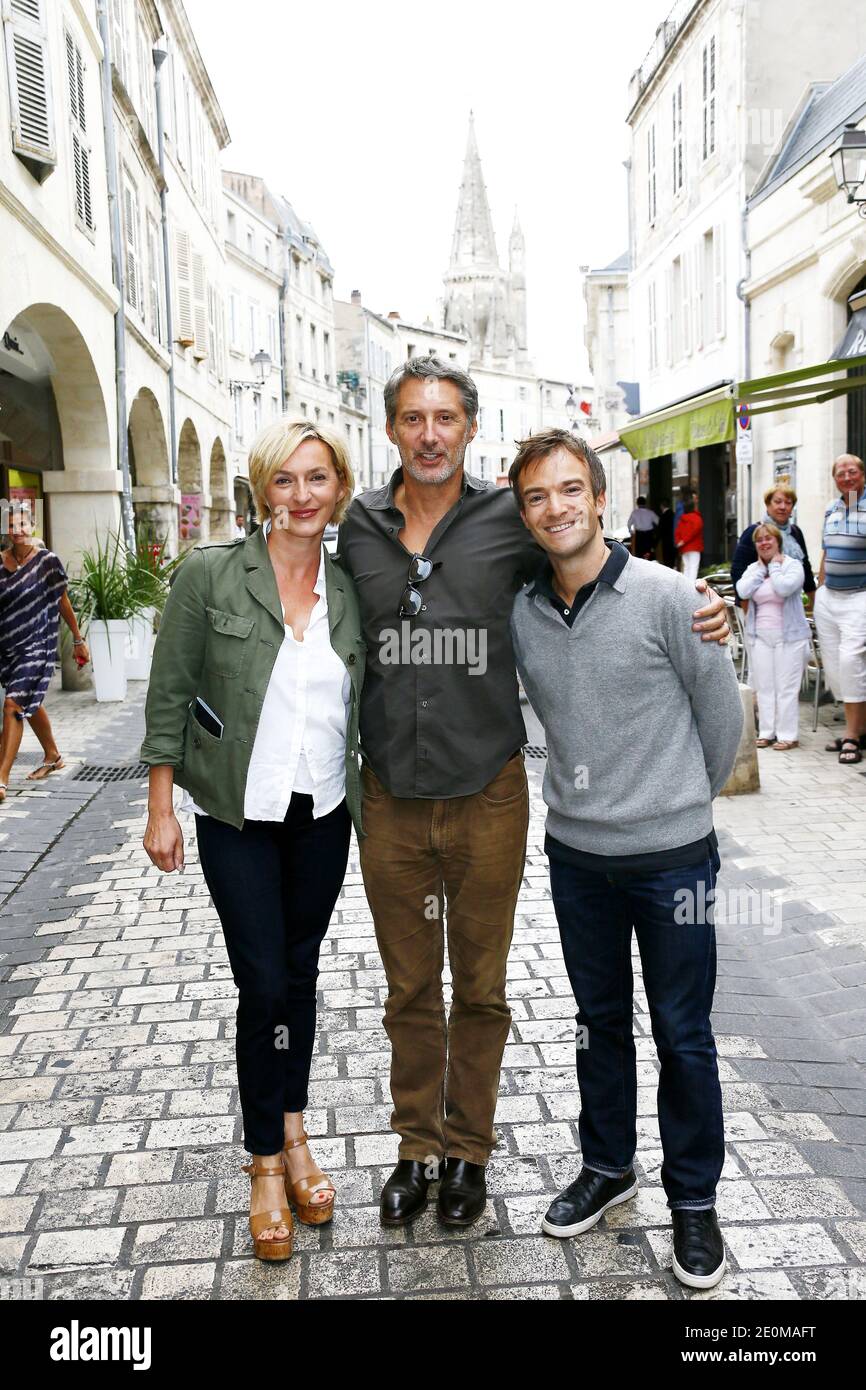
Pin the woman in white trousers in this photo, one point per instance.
(777, 632)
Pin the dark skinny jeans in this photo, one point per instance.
(274, 886)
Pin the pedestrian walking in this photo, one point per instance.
(840, 602)
(643, 524)
(603, 646)
(777, 632)
(252, 708)
(667, 545)
(689, 538)
(438, 556)
(779, 504)
(33, 599)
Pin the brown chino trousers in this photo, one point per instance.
(416, 856)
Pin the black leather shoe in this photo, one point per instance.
(405, 1193)
(699, 1251)
(585, 1201)
(462, 1192)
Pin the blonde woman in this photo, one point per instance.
(253, 710)
(778, 636)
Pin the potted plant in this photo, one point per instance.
(148, 573)
(101, 596)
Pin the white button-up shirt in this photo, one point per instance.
(300, 743)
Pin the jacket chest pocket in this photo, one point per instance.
(227, 644)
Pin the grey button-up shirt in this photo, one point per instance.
(440, 712)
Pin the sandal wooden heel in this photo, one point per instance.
(299, 1194)
(280, 1216)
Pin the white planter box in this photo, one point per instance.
(138, 646)
(107, 642)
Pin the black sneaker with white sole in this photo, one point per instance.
(699, 1251)
(585, 1201)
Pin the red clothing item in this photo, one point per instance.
(689, 534)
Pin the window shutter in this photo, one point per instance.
(686, 304)
(78, 122)
(118, 37)
(718, 281)
(183, 280)
(29, 80)
(669, 316)
(199, 295)
(698, 294)
(132, 245)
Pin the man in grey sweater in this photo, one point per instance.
(642, 727)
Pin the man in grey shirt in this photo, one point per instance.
(642, 727)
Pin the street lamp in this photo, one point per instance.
(571, 409)
(849, 165)
(262, 364)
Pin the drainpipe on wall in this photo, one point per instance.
(126, 511)
(159, 57)
(747, 337)
(284, 332)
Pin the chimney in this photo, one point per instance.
(356, 296)
(394, 314)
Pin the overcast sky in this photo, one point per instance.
(358, 113)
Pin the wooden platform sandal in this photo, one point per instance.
(280, 1216)
(299, 1194)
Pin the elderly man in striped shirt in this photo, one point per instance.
(840, 603)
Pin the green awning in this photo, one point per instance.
(804, 386)
(689, 424)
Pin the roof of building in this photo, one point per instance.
(815, 124)
(621, 263)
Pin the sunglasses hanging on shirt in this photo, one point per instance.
(420, 568)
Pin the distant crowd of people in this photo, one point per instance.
(776, 587)
(673, 537)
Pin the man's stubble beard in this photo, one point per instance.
(442, 474)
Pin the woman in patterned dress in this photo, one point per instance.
(32, 598)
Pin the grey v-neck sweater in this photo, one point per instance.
(642, 718)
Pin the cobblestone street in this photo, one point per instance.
(119, 1122)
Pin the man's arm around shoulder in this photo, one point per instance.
(706, 670)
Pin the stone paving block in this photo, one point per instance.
(59, 1249)
(342, 1273)
(111, 1138)
(507, 1175)
(427, 1229)
(77, 1207)
(185, 1282)
(427, 1267)
(28, 1143)
(842, 1284)
(110, 1285)
(543, 1138)
(803, 1198)
(512, 1261)
(173, 1134)
(177, 1240)
(15, 1213)
(773, 1159)
(797, 1125)
(163, 1201)
(370, 1148)
(783, 1245)
(251, 1279)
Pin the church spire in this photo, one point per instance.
(474, 243)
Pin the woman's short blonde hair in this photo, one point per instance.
(785, 491)
(768, 526)
(273, 447)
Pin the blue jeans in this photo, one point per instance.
(672, 918)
